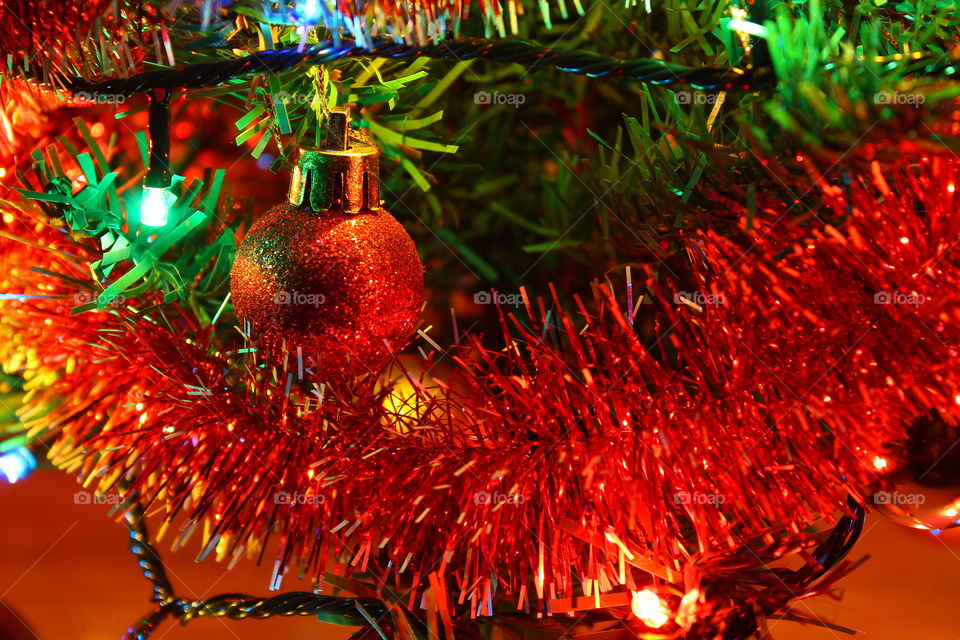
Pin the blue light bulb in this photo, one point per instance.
(308, 11)
(16, 464)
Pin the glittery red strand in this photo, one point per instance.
(585, 458)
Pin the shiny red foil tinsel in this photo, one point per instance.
(572, 455)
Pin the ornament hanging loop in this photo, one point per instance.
(344, 175)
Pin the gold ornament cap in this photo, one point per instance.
(344, 175)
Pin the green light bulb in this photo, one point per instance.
(155, 206)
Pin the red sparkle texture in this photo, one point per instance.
(585, 457)
(342, 290)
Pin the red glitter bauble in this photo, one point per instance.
(346, 289)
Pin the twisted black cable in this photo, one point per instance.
(516, 51)
(841, 540)
(744, 624)
(147, 558)
(237, 606)
(358, 611)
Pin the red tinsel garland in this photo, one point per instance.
(579, 455)
(29, 28)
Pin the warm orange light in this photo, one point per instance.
(649, 608)
(880, 463)
(687, 612)
(951, 188)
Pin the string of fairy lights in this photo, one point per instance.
(157, 198)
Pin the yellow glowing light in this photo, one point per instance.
(880, 463)
(951, 188)
(687, 613)
(950, 512)
(615, 539)
(904, 240)
(402, 402)
(649, 608)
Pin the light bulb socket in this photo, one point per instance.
(158, 172)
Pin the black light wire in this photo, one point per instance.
(356, 611)
(645, 70)
(238, 606)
